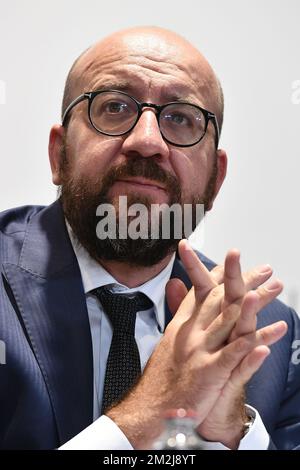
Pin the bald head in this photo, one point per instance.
(155, 48)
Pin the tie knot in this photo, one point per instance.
(121, 309)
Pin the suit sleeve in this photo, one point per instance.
(286, 433)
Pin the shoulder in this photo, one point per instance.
(16, 219)
(13, 228)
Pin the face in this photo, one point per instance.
(94, 168)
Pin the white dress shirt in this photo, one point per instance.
(103, 433)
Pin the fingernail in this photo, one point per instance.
(273, 285)
(264, 269)
(279, 327)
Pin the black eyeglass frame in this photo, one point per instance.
(90, 95)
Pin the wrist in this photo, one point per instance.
(140, 425)
(227, 431)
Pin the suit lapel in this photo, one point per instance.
(178, 272)
(49, 294)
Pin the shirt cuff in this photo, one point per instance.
(257, 438)
(102, 434)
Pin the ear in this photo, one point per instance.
(221, 173)
(56, 140)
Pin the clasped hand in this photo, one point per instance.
(208, 352)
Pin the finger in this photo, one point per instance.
(269, 291)
(231, 355)
(234, 287)
(237, 321)
(199, 275)
(218, 274)
(257, 276)
(246, 323)
(236, 284)
(218, 332)
(252, 279)
(249, 365)
(254, 301)
(175, 293)
(219, 299)
(211, 307)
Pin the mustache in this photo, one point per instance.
(145, 168)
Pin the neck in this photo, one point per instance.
(134, 276)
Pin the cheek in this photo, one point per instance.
(192, 169)
(91, 156)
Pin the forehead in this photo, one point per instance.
(147, 64)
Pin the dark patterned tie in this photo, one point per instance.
(123, 366)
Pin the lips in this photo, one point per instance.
(142, 183)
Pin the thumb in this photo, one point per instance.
(175, 293)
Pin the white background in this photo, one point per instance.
(254, 47)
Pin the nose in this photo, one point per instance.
(145, 138)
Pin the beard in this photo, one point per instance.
(81, 197)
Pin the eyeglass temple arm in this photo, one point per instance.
(80, 98)
(213, 118)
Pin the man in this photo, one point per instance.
(141, 116)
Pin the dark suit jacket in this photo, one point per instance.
(46, 385)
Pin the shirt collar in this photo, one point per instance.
(94, 275)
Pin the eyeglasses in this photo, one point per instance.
(115, 113)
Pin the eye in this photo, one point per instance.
(115, 107)
(178, 118)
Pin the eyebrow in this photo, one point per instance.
(120, 85)
(127, 87)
